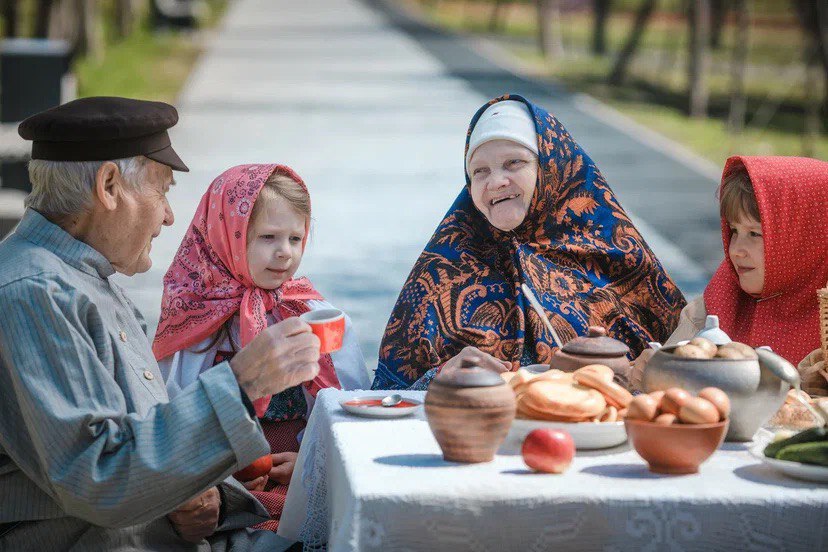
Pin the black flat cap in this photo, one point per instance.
(103, 128)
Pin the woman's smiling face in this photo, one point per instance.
(503, 176)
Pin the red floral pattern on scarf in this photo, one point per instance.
(209, 281)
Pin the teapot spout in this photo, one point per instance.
(778, 366)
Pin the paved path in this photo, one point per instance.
(371, 108)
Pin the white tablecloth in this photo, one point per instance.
(367, 484)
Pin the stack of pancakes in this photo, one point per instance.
(586, 395)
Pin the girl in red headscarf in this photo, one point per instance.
(776, 257)
(231, 278)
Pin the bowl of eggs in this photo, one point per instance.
(749, 377)
(675, 431)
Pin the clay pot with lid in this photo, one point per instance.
(595, 348)
(469, 411)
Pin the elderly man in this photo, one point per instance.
(93, 453)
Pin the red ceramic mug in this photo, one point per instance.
(329, 327)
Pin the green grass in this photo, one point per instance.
(655, 94)
(146, 65)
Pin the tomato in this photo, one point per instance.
(259, 467)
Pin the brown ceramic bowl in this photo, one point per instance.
(677, 448)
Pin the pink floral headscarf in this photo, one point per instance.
(209, 281)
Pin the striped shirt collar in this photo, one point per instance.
(38, 230)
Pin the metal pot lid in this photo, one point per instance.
(597, 343)
(469, 375)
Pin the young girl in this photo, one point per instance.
(776, 245)
(231, 278)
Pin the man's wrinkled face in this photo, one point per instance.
(144, 209)
(503, 175)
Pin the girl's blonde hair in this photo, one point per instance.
(738, 200)
(281, 186)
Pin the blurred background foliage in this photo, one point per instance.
(720, 76)
(119, 47)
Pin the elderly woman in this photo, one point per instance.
(534, 210)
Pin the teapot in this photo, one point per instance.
(595, 348)
(756, 387)
(712, 331)
(469, 411)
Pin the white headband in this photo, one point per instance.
(506, 120)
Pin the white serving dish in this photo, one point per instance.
(379, 411)
(587, 435)
(797, 470)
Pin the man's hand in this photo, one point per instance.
(282, 356)
(473, 355)
(198, 518)
(283, 464)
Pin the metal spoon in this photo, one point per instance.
(539, 309)
(392, 400)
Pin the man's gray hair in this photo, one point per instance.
(64, 188)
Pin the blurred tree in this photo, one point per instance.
(813, 15)
(738, 66)
(124, 17)
(9, 17)
(90, 29)
(496, 17)
(642, 17)
(601, 11)
(549, 29)
(43, 11)
(812, 126)
(699, 57)
(718, 16)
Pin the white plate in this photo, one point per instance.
(798, 470)
(379, 411)
(587, 435)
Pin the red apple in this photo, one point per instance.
(548, 450)
(260, 466)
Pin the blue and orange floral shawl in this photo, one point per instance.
(577, 249)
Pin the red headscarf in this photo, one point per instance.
(209, 281)
(792, 195)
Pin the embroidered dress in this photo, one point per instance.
(577, 249)
(792, 195)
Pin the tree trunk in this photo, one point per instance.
(495, 23)
(642, 17)
(812, 129)
(814, 18)
(601, 11)
(718, 14)
(741, 46)
(90, 37)
(124, 17)
(699, 22)
(42, 14)
(9, 18)
(549, 29)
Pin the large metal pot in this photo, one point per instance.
(756, 388)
